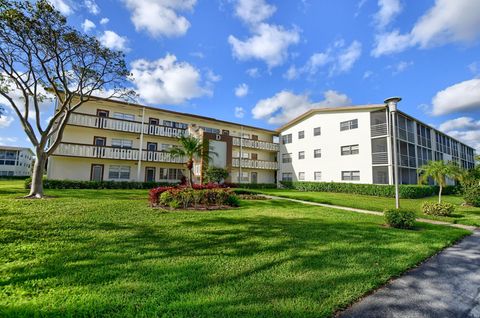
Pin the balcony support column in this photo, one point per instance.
(140, 148)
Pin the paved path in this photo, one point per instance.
(447, 285)
(462, 226)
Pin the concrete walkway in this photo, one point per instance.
(461, 226)
(447, 285)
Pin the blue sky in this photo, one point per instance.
(264, 62)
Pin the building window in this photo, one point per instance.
(119, 172)
(152, 146)
(287, 176)
(317, 131)
(287, 139)
(170, 174)
(350, 150)
(317, 153)
(175, 124)
(211, 130)
(245, 177)
(349, 124)
(286, 157)
(301, 155)
(124, 116)
(301, 176)
(350, 175)
(301, 134)
(317, 175)
(122, 143)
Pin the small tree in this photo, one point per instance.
(217, 175)
(40, 52)
(439, 171)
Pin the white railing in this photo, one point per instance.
(86, 120)
(257, 144)
(255, 164)
(91, 151)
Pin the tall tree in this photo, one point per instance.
(40, 52)
(439, 171)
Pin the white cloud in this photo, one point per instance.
(160, 17)
(104, 21)
(389, 9)
(292, 73)
(465, 129)
(446, 22)
(92, 7)
(241, 90)
(400, 66)
(212, 77)
(474, 67)
(459, 124)
(463, 96)
(347, 58)
(239, 112)
(8, 141)
(198, 54)
(114, 41)
(286, 105)
(316, 61)
(5, 120)
(367, 74)
(253, 72)
(253, 11)
(269, 43)
(62, 6)
(167, 81)
(88, 25)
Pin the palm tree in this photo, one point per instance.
(438, 171)
(192, 149)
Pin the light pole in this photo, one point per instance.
(392, 108)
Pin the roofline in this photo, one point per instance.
(16, 148)
(329, 109)
(180, 113)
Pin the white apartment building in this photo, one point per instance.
(354, 144)
(15, 161)
(118, 141)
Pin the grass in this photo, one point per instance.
(463, 214)
(106, 253)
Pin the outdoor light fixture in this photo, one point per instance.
(392, 108)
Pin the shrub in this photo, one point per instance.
(251, 185)
(188, 197)
(232, 200)
(472, 195)
(174, 204)
(216, 175)
(402, 219)
(438, 209)
(74, 184)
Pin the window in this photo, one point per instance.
(350, 150)
(287, 176)
(317, 131)
(301, 155)
(122, 143)
(170, 174)
(175, 124)
(350, 175)
(119, 172)
(349, 124)
(317, 153)
(301, 176)
(301, 134)
(287, 139)
(211, 130)
(244, 177)
(153, 121)
(254, 156)
(152, 146)
(99, 141)
(317, 175)
(286, 157)
(254, 137)
(124, 116)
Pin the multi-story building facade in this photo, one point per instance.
(113, 140)
(15, 161)
(354, 144)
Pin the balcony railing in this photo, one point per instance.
(92, 121)
(103, 152)
(255, 164)
(257, 144)
(378, 130)
(380, 158)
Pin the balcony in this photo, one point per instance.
(255, 164)
(256, 144)
(86, 120)
(103, 152)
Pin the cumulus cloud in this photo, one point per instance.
(5, 120)
(104, 21)
(160, 17)
(241, 90)
(167, 81)
(239, 112)
(87, 25)
(286, 105)
(253, 11)
(463, 96)
(465, 129)
(62, 6)
(92, 7)
(253, 72)
(389, 9)
(446, 22)
(114, 41)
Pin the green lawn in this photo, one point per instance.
(106, 253)
(462, 215)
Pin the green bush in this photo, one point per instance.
(471, 195)
(252, 185)
(73, 184)
(232, 200)
(216, 175)
(188, 198)
(174, 204)
(380, 190)
(402, 219)
(438, 209)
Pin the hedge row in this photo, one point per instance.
(14, 177)
(406, 191)
(73, 184)
(252, 185)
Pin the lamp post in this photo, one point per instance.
(392, 108)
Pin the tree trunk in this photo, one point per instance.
(440, 195)
(36, 188)
(190, 179)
